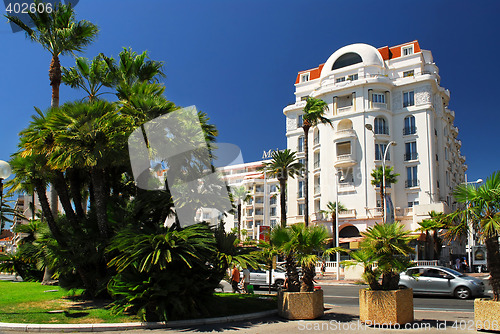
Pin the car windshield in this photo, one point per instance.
(454, 272)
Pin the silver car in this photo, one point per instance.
(441, 280)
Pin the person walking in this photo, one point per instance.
(323, 268)
(246, 279)
(235, 279)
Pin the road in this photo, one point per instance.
(348, 295)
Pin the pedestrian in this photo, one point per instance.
(246, 279)
(235, 279)
(323, 268)
(458, 264)
(465, 265)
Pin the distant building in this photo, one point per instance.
(6, 242)
(395, 90)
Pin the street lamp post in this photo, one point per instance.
(5, 172)
(470, 234)
(337, 257)
(369, 127)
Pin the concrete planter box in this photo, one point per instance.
(386, 307)
(487, 314)
(301, 305)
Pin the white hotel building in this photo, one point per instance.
(397, 91)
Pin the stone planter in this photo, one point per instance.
(386, 307)
(487, 314)
(301, 305)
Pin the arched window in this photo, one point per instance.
(381, 126)
(347, 59)
(410, 127)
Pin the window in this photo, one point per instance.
(446, 153)
(259, 200)
(304, 98)
(250, 212)
(316, 160)
(410, 127)
(411, 177)
(273, 222)
(300, 121)
(259, 189)
(250, 225)
(316, 136)
(411, 151)
(343, 148)
(301, 144)
(380, 126)
(412, 204)
(304, 77)
(317, 183)
(378, 98)
(408, 99)
(302, 207)
(340, 79)
(206, 215)
(258, 222)
(273, 188)
(352, 77)
(347, 59)
(379, 151)
(272, 201)
(301, 189)
(407, 50)
(259, 212)
(407, 74)
(302, 161)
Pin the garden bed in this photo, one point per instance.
(27, 302)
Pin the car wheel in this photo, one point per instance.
(462, 292)
(278, 284)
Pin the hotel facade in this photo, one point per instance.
(396, 92)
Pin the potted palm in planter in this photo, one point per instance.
(384, 255)
(482, 215)
(302, 244)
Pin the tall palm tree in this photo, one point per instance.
(433, 224)
(283, 164)
(378, 176)
(240, 195)
(331, 210)
(60, 34)
(314, 112)
(482, 214)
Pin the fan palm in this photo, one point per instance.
(283, 164)
(331, 209)
(60, 34)
(240, 195)
(481, 215)
(281, 241)
(314, 112)
(434, 224)
(378, 180)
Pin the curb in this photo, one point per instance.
(65, 328)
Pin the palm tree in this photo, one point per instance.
(59, 33)
(388, 246)
(390, 178)
(332, 211)
(481, 215)
(282, 242)
(240, 195)
(434, 224)
(283, 164)
(314, 112)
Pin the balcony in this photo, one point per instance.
(344, 134)
(376, 212)
(345, 109)
(454, 131)
(379, 105)
(411, 156)
(450, 113)
(381, 130)
(351, 213)
(317, 216)
(412, 183)
(458, 142)
(345, 160)
(410, 130)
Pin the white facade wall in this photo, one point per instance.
(350, 102)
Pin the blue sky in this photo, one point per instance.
(237, 60)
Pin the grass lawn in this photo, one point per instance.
(27, 302)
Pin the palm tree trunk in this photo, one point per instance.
(55, 82)
(306, 178)
(283, 201)
(62, 189)
(493, 260)
(100, 196)
(239, 220)
(334, 228)
(44, 202)
(307, 280)
(382, 199)
(293, 275)
(75, 188)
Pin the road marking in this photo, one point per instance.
(352, 297)
(441, 310)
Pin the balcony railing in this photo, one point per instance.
(411, 156)
(344, 109)
(381, 130)
(347, 213)
(344, 157)
(346, 185)
(316, 164)
(410, 130)
(412, 183)
(316, 140)
(379, 105)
